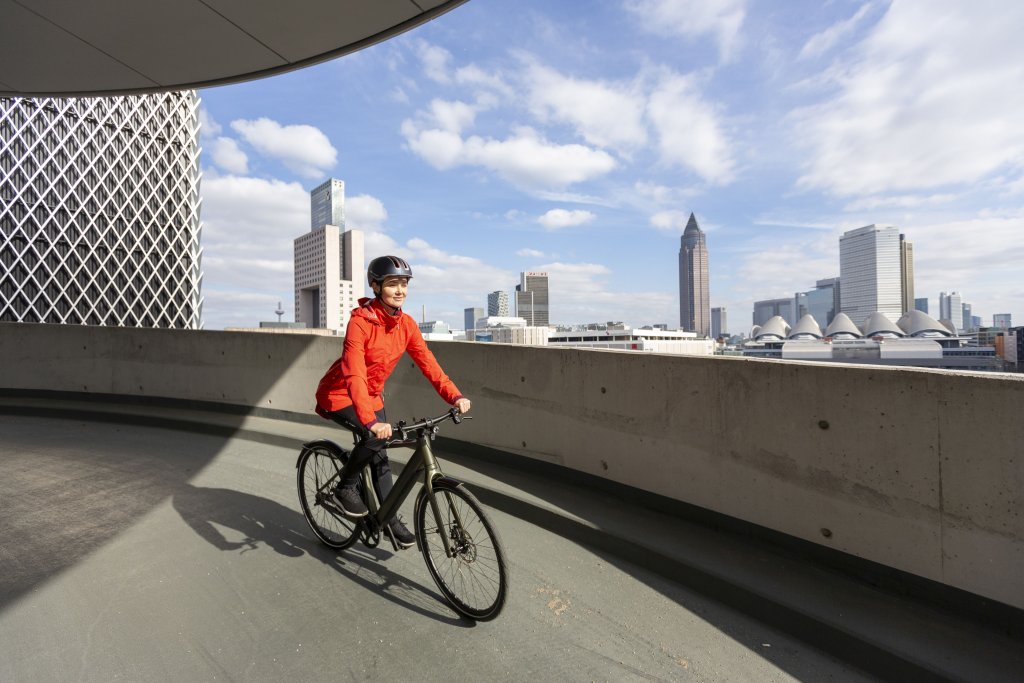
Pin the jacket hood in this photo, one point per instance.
(373, 310)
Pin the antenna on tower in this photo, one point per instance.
(279, 311)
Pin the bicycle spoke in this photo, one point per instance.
(474, 578)
(317, 471)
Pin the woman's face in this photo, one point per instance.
(393, 290)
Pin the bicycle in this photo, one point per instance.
(458, 541)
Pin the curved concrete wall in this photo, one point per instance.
(915, 469)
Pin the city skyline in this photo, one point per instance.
(497, 140)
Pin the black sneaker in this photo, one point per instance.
(348, 500)
(403, 537)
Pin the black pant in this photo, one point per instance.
(369, 450)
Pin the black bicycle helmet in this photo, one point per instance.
(387, 266)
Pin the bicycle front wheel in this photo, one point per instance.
(474, 576)
(317, 473)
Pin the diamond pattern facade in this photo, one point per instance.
(99, 211)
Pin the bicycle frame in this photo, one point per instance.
(422, 459)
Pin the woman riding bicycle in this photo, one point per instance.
(350, 393)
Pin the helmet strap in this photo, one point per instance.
(391, 310)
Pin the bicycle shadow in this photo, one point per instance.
(265, 523)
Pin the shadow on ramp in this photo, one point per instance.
(265, 523)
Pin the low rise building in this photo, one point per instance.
(647, 339)
(916, 340)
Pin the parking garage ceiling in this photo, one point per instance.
(105, 47)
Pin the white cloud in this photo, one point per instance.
(670, 221)
(227, 154)
(252, 214)
(924, 102)
(471, 74)
(783, 267)
(663, 194)
(302, 149)
(822, 42)
(953, 255)
(399, 95)
(604, 114)
(694, 19)
(208, 128)
(249, 225)
(899, 202)
(1013, 187)
(689, 131)
(243, 309)
(525, 159)
(436, 61)
(563, 218)
(439, 272)
(580, 294)
(530, 253)
(452, 117)
(365, 212)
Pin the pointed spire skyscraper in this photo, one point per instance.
(694, 297)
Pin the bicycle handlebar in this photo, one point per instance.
(410, 433)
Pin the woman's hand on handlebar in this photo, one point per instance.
(381, 430)
(463, 405)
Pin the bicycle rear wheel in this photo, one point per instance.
(475, 578)
(317, 472)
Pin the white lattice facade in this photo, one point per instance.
(99, 211)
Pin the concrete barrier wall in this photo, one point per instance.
(915, 469)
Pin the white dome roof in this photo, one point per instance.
(919, 324)
(879, 325)
(775, 327)
(842, 325)
(807, 326)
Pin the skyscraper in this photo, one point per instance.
(921, 304)
(831, 284)
(497, 303)
(966, 316)
(951, 308)
(694, 294)
(869, 273)
(327, 204)
(1002, 320)
(99, 211)
(906, 274)
(470, 316)
(532, 299)
(329, 263)
(719, 322)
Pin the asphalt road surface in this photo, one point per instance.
(147, 554)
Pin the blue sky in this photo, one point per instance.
(576, 138)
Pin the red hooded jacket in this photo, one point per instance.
(374, 343)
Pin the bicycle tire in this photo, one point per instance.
(316, 467)
(475, 580)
